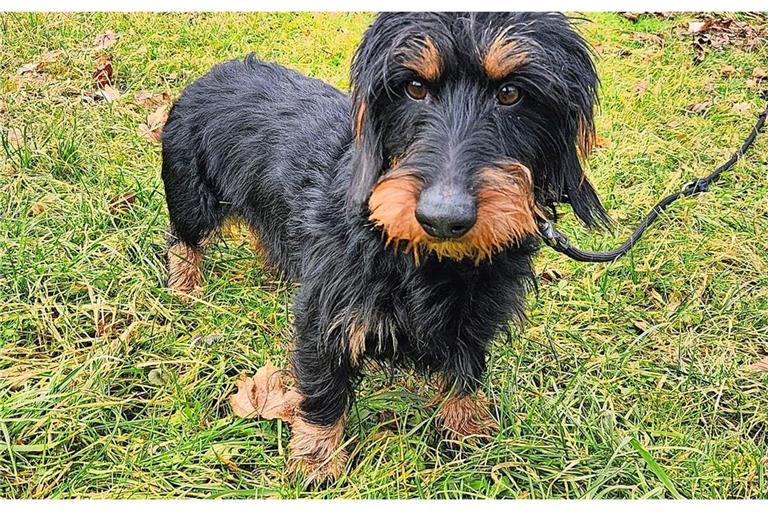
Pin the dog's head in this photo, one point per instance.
(469, 126)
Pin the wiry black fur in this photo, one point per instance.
(277, 149)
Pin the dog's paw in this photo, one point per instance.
(314, 471)
(466, 418)
(315, 452)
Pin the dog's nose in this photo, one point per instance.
(446, 215)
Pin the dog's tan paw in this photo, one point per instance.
(184, 276)
(315, 452)
(466, 417)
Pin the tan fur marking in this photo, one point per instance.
(184, 268)
(393, 207)
(315, 451)
(503, 57)
(425, 61)
(506, 213)
(586, 137)
(356, 334)
(466, 415)
(359, 121)
(256, 245)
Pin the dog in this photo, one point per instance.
(406, 211)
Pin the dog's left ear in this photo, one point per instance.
(569, 182)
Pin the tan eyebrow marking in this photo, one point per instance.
(425, 60)
(503, 57)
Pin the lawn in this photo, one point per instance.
(630, 379)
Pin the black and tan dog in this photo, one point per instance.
(406, 212)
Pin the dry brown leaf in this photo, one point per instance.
(38, 208)
(122, 203)
(105, 40)
(150, 99)
(727, 70)
(264, 395)
(15, 138)
(696, 27)
(699, 108)
(743, 107)
(152, 130)
(602, 142)
(632, 16)
(759, 366)
(27, 68)
(641, 87)
(648, 38)
(108, 93)
(104, 71)
(759, 74)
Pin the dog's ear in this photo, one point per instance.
(567, 181)
(366, 79)
(368, 158)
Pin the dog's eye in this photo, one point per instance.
(508, 95)
(416, 90)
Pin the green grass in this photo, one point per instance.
(630, 379)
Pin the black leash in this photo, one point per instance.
(560, 242)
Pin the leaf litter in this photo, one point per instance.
(265, 395)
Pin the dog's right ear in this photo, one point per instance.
(367, 81)
(368, 158)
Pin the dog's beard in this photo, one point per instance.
(506, 213)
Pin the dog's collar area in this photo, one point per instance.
(560, 242)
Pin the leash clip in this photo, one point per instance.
(552, 236)
(696, 186)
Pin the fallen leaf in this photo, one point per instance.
(648, 38)
(152, 130)
(743, 108)
(105, 40)
(27, 68)
(38, 208)
(264, 395)
(108, 93)
(550, 276)
(602, 142)
(104, 71)
(759, 366)
(632, 16)
(128, 333)
(150, 99)
(759, 74)
(641, 326)
(15, 138)
(728, 70)
(751, 83)
(49, 57)
(718, 32)
(699, 108)
(122, 203)
(641, 87)
(696, 27)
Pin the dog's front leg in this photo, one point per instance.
(465, 411)
(324, 377)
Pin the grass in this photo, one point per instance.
(630, 379)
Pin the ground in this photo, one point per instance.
(630, 379)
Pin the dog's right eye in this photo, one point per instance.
(416, 90)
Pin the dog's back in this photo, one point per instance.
(249, 138)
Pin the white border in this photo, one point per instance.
(377, 5)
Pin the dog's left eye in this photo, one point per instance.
(508, 95)
(416, 90)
